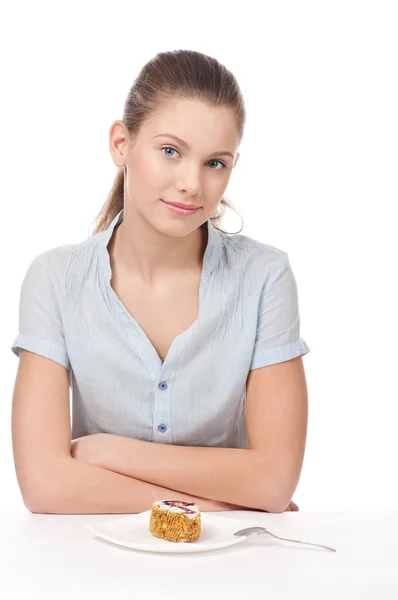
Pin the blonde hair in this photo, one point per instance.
(178, 73)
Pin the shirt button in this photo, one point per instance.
(163, 385)
(162, 428)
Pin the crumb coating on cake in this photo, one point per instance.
(175, 520)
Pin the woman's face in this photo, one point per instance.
(159, 167)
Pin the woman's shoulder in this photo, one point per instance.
(64, 260)
(253, 250)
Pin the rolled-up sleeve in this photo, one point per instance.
(278, 325)
(40, 324)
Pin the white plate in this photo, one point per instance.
(133, 532)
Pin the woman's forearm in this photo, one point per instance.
(229, 475)
(74, 487)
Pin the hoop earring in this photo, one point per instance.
(215, 215)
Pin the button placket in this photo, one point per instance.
(161, 423)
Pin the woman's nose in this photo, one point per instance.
(190, 184)
(190, 190)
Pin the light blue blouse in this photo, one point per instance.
(248, 318)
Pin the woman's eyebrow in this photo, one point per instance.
(188, 147)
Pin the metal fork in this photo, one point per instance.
(248, 531)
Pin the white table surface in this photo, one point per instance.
(56, 557)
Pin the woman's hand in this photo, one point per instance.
(292, 507)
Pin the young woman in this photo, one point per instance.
(181, 343)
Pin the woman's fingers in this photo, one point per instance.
(292, 507)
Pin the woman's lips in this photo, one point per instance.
(181, 211)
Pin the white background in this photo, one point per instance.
(317, 177)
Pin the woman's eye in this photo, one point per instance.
(223, 165)
(169, 148)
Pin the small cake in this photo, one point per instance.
(175, 520)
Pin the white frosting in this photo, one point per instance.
(179, 509)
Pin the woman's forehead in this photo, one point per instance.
(196, 125)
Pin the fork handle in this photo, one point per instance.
(300, 542)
